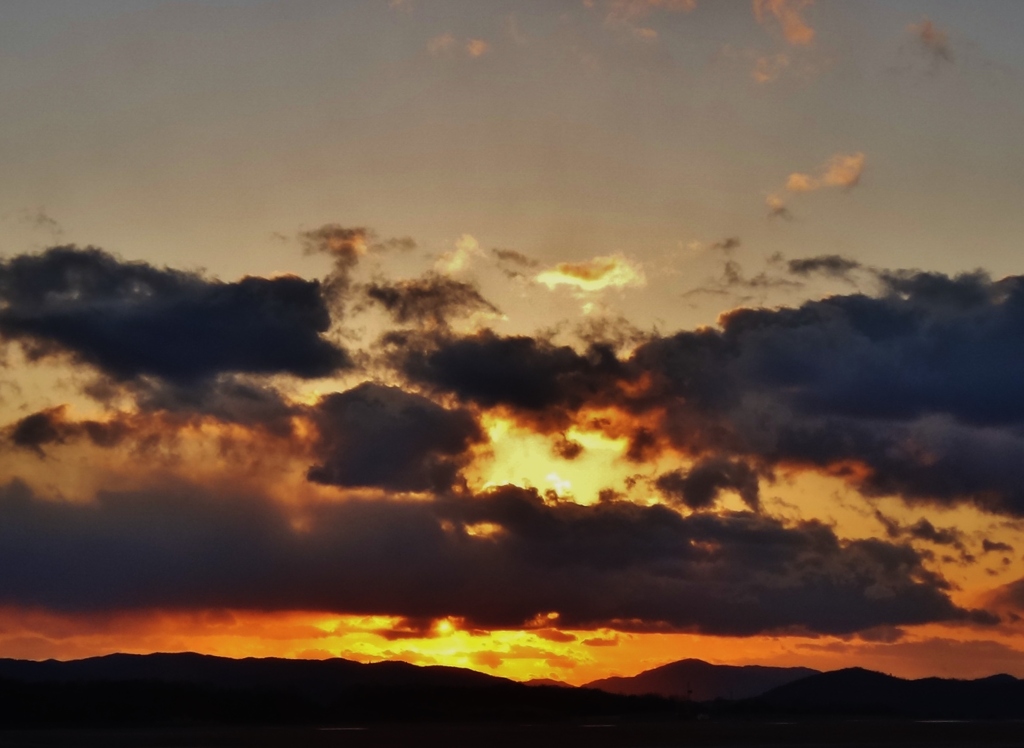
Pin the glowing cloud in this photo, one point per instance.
(477, 47)
(458, 259)
(842, 170)
(612, 271)
(788, 13)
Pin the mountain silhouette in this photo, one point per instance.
(702, 681)
(189, 689)
(856, 691)
(320, 680)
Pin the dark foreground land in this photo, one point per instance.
(195, 701)
(590, 735)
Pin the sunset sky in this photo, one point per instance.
(555, 339)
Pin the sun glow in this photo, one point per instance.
(522, 457)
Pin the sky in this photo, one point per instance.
(553, 340)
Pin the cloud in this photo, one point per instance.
(925, 530)
(467, 248)
(842, 170)
(835, 266)
(346, 246)
(131, 320)
(612, 271)
(726, 245)
(441, 43)
(51, 426)
(477, 47)
(513, 257)
(777, 208)
(703, 483)
(932, 42)
(994, 546)
(514, 264)
(913, 392)
(431, 299)
(915, 385)
(384, 437)
(529, 375)
(446, 44)
(37, 218)
(733, 280)
(161, 411)
(768, 68)
(612, 565)
(228, 399)
(789, 15)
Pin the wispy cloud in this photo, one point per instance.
(441, 43)
(788, 14)
(777, 207)
(842, 170)
(477, 47)
(447, 43)
(931, 41)
(769, 67)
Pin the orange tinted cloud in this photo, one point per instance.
(777, 207)
(611, 271)
(932, 40)
(477, 47)
(789, 15)
(842, 170)
(770, 67)
(447, 43)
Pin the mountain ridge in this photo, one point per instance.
(702, 681)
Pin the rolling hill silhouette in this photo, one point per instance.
(187, 689)
(702, 681)
(190, 689)
(856, 691)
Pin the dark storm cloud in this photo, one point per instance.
(49, 427)
(700, 486)
(920, 385)
(913, 392)
(162, 409)
(835, 266)
(131, 320)
(612, 564)
(530, 375)
(431, 299)
(377, 436)
(227, 399)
